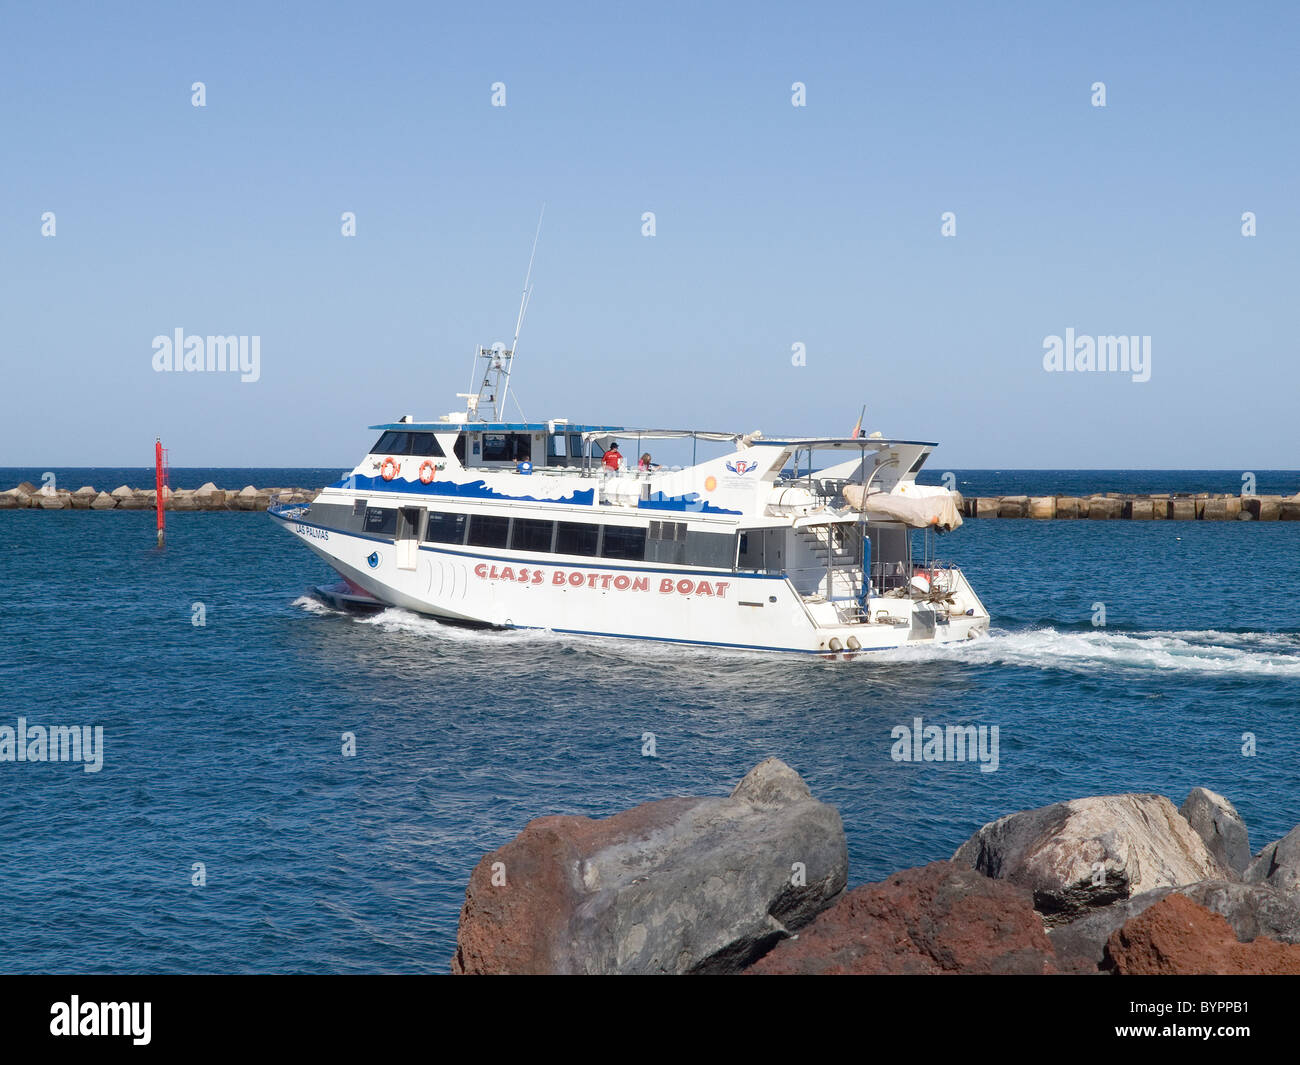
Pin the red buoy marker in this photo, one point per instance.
(160, 482)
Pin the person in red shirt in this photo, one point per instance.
(613, 459)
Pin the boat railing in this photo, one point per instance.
(290, 502)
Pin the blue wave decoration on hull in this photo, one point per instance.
(356, 482)
(688, 503)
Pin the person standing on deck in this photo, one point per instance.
(613, 459)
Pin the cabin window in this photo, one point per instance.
(425, 445)
(446, 528)
(622, 541)
(392, 442)
(488, 530)
(358, 508)
(381, 521)
(458, 449)
(530, 534)
(399, 442)
(507, 447)
(576, 538)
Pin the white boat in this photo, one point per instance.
(795, 544)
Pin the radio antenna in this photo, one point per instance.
(523, 306)
(495, 388)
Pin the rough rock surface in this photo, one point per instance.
(1176, 936)
(680, 885)
(1278, 864)
(1091, 852)
(1220, 827)
(940, 918)
(1253, 910)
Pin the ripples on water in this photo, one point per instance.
(223, 741)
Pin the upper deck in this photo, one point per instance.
(746, 478)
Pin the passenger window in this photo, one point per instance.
(530, 534)
(446, 528)
(576, 538)
(381, 521)
(623, 542)
(488, 530)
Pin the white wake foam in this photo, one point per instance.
(312, 605)
(1204, 651)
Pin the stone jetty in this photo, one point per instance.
(1110, 506)
(124, 497)
(1118, 506)
(755, 883)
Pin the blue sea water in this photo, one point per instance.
(222, 742)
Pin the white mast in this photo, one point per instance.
(496, 378)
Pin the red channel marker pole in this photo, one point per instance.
(158, 486)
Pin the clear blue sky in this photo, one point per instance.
(775, 224)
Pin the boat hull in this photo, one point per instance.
(598, 597)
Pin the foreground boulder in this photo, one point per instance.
(941, 918)
(1078, 855)
(1220, 827)
(1178, 937)
(1252, 910)
(702, 885)
(1278, 864)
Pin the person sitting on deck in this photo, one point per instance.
(613, 459)
(645, 463)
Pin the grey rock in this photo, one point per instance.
(698, 885)
(1220, 827)
(1093, 852)
(1278, 864)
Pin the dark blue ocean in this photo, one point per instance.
(222, 742)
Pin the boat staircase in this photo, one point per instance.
(839, 566)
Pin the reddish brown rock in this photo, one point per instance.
(1177, 937)
(940, 918)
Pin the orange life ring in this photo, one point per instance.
(432, 471)
(384, 471)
